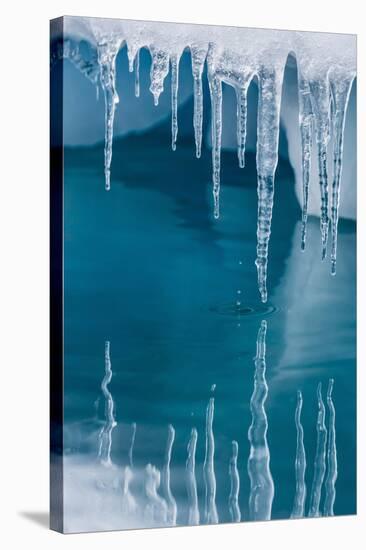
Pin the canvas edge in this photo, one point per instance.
(56, 286)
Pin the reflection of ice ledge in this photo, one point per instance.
(99, 498)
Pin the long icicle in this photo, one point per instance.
(261, 482)
(241, 122)
(234, 484)
(330, 492)
(211, 515)
(306, 130)
(320, 97)
(165, 479)
(107, 53)
(193, 513)
(300, 463)
(319, 463)
(269, 103)
(341, 90)
(105, 435)
(215, 86)
(198, 56)
(174, 61)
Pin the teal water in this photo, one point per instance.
(148, 269)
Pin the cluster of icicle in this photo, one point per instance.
(162, 508)
(326, 66)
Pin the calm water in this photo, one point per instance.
(175, 293)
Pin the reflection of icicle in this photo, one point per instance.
(198, 61)
(306, 125)
(129, 505)
(234, 484)
(193, 514)
(269, 102)
(215, 85)
(300, 464)
(174, 93)
(261, 482)
(170, 500)
(130, 451)
(320, 97)
(319, 463)
(330, 492)
(241, 121)
(105, 436)
(341, 89)
(210, 515)
(136, 68)
(107, 53)
(158, 72)
(156, 509)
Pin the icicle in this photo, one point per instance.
(105, 435)
(130, 451)
(269, 103)
(193, 514)
(107, 53)
(261, 482)
(319, 463)
(241, 121)
(136, 65)
(170, 500)
(234, 484)
(198, 56)
(210, 515)
(88, 67)
(215, 85)
(306, 127)
(320, 98)
(216, 102)
(156, 509)
(330, 492)
(341, 89)
(300, 464)
(174, 60)
(158, 72)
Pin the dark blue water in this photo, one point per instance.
(149, 269)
